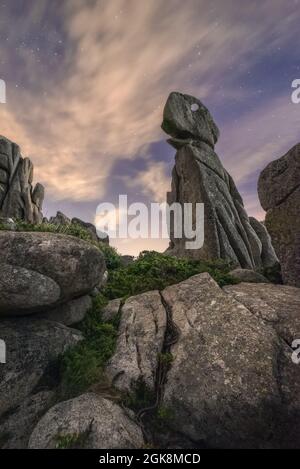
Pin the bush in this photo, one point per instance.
(156, 271)
(83, 364)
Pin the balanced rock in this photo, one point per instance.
(199, 177)
(18, 198)
(88, 421)
(45, 270)
(279, 194)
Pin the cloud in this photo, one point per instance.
(155, 181)
(102, 101)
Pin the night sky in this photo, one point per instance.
(87, 81)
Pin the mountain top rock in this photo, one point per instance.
(279, 194)
(199, 177)
(186, 118)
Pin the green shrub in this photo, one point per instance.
(72, 229)
(83, 364)
(156, 271)
(72, 440)
(273, 274)
(112, 258)
(141, 397)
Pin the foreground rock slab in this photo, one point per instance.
(58, 268)
(232, 382)
(279, 194)
(87, 421)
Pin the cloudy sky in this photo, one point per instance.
(87, 81)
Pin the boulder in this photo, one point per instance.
(140, 339)
(246, 275)
(279, 194)
(31, 348)
(17, 425)
(88, 421)
(185, 117)
(24, 289)
(232, 382)
(18, 198)
(70, 313)
(71, 267)
(60, 219)
(126, 260)
(96, 234)
(199, 177)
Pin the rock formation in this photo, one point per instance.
(97, 422)
(231, 381)
(40, 271)
(18, 198)
(33, 346)
(199, 177)
(62, 219)
(279, 194)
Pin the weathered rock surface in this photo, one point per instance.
(60, 219)
(232, 382)
(268, 255)
(70, 313)
(18, 198)
(32, 346)
(22, 288)
(278, 305)
(97, 422)
(17, 425)
(141, 335)
(111, 310)
(246, 275)
(279, 194)
(199, 177)
(65, 268)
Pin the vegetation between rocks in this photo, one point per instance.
(156, 271)
(83, 365)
